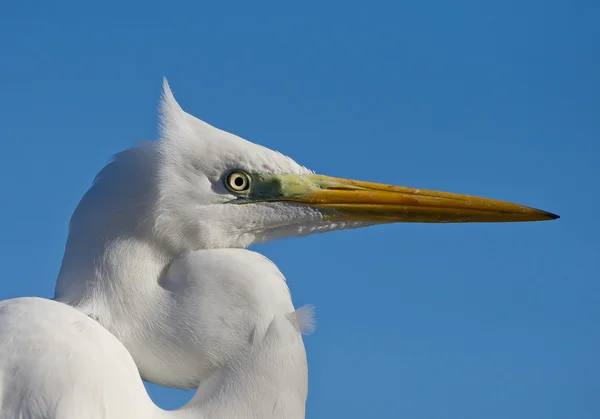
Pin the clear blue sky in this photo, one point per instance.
(499, 99)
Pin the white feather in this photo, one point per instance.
(304, 319)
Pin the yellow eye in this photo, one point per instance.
(238, 181)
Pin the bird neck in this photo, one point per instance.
(105, 284)
(268, 381)
(111, 255)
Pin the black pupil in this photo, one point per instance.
(238, 181)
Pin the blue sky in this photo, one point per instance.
(498, 99)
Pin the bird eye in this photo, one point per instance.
(238, 181)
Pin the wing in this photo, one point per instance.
(57, 363)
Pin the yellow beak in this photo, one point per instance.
(343, 199)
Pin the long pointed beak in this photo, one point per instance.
(343, 199)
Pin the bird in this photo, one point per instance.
(155, 283)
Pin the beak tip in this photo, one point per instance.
(548, 216)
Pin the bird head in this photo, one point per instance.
(216, 189)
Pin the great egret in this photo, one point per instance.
(136, 261)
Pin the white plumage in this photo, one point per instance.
(58, 363)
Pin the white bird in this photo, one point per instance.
(138, 262)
